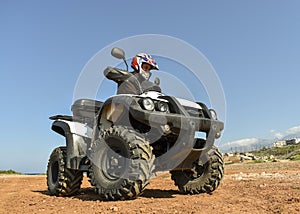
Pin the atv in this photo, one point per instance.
(120, 144)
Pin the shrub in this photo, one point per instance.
(9, 172)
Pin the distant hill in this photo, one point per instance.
(246, 145)
(291, 152)
(9, 172)
(252, 144)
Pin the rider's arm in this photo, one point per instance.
(116, 75)
(127, 82)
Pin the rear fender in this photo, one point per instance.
(77, 137)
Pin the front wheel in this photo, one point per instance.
(201, 178)
(62, 181)
(121, 164)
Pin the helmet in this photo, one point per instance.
(141, 58)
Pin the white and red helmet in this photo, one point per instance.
(141, 58)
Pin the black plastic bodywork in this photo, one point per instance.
(85, 110)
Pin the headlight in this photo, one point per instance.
(213, 114)
(148, 104)
(162, 106)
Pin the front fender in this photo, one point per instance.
(112, 110)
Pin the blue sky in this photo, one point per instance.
(253, 46)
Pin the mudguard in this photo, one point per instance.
(77, 136)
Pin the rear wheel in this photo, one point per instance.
(201, 178)
(62, 181)
(121, 164)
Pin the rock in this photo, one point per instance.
(114, 209)
(263, 185)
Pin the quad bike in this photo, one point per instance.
(121, 143)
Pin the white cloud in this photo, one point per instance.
(247, 144)
(293, 130)
(288, 133)
(243, 142)
(278, 135)
(254, 142)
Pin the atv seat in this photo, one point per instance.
(84, 110)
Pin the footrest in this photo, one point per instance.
(61, 117)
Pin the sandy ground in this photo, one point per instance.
(246, 188)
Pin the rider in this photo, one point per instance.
(142, 64)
